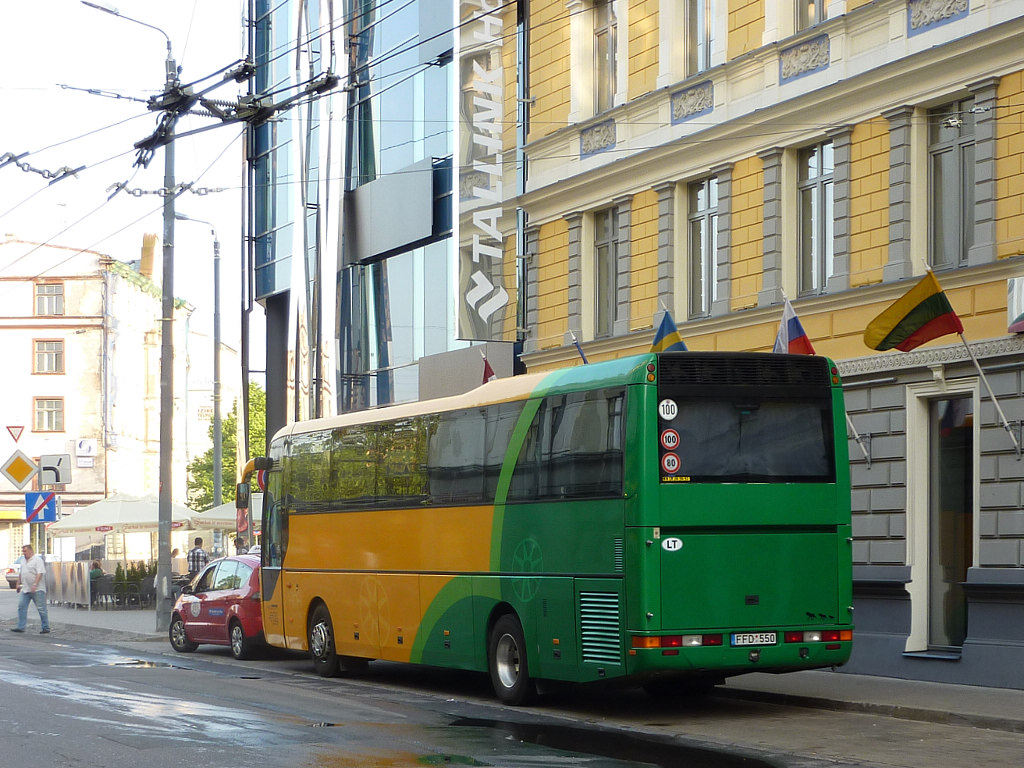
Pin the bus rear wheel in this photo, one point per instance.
(321, 643)
(506, 659)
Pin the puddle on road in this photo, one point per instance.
(615, 744)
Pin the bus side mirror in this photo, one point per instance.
(242, 496)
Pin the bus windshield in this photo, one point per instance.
(751, 440)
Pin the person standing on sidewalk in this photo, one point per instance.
(197, 558)
(32, 588)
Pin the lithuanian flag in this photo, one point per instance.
(923, 313)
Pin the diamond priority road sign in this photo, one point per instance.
(19, 469)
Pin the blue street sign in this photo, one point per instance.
(40, 507)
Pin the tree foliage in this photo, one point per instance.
(200, 469)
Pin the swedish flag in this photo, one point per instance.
(667, 339)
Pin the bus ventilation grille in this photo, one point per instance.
(620, 556)
(599, 623)
(767, 370)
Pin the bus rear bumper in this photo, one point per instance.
(730, 660)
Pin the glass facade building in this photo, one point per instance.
(356, 186)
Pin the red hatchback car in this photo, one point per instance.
(221, 607)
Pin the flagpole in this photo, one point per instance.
(856, 436)
(992, 396)
(579, 349)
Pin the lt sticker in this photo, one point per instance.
(671, 544)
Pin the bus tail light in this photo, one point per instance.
(819, 636)
(676, 641)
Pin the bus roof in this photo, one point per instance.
(618, 372)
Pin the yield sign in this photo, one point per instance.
(41, 507)
(16, 432)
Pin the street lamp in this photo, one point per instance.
(217, 437)
(164, 598)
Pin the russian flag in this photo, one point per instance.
(792, 338)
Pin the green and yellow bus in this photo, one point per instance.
(672, 519)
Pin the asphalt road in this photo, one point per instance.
(80, 697)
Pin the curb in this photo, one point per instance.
(988, 722)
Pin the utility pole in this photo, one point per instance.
(217, 437)
(164, 598)
(172, 103)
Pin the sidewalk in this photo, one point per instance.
(116, 624)
(999, 709)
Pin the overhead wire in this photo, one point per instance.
(182, 188)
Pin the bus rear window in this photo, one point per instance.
(746, 439)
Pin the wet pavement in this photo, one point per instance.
(993, 708)
(868, 708)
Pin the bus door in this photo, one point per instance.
(274, 542)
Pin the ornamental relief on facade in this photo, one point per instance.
(696, 100)
(470, 180)
(808, 56)
(956, 353)
(597, 137)
(924, 13)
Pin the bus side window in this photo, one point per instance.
(573, 449)
(523, 486)
(455, 458)
(501, 422)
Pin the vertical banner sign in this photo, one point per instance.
(481, 213)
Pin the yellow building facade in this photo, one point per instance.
(711, 158)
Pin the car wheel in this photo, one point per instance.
(506, 659)
(179, 640)
(241, 646)
(321, 643)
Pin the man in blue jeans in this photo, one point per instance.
(32, 586)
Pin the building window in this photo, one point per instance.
(700, 34)
(49, 414)
(951, 181)
(817, 241)
(809, 13)
(702, 245)
(49, 298)
(604, 54)
(606, 235)
(49, 356)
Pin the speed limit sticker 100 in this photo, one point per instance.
(668, 409)
(669, 439)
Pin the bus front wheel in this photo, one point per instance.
(321, 643)
(506, 657)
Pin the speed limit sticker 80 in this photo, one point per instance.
(670, 463)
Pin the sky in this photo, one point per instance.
(49, 49)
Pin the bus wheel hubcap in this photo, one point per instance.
(506, 661)
(319, 639)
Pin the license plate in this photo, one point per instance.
(754, 638)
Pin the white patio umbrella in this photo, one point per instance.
(120, 513)
(223, 516)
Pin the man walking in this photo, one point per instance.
(32, 588)
(197, 558)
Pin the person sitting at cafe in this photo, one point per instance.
(95, 572)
